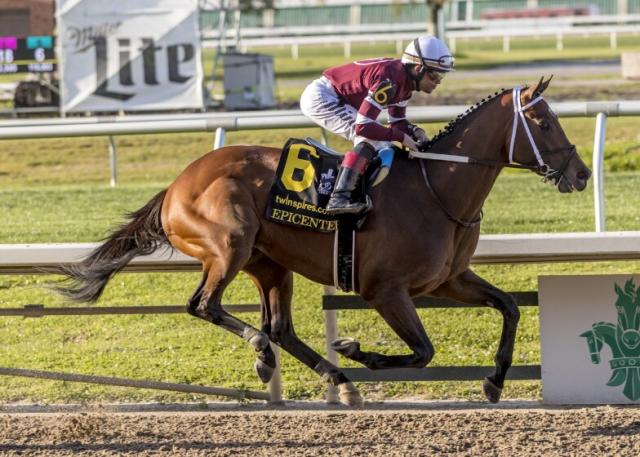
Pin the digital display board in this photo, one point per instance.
(33, 54)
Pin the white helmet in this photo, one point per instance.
(430, 52)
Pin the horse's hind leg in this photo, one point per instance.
(224, 248)
(470, 288)
(209, 307)
(194, 300)
(276, 286)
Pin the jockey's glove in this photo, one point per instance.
(419, 136)
(409, 143)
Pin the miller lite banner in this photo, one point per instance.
(129, 55)
(590, 337)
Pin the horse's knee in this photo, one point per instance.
(424, 355)
(213, 314)
(509, 309)
(512, 312)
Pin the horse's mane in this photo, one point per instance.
(450, 127)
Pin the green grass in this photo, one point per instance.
(293, 74)
(56, 190)
(63, 198)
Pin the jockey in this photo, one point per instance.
(347, 100)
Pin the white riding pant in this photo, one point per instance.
(320, 103)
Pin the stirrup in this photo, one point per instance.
(351, 207)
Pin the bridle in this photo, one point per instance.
(542, 168)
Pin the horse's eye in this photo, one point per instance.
(544, 125)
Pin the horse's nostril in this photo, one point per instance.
(583, 175)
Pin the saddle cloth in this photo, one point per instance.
(303, 184)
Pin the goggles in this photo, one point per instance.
(435, 76)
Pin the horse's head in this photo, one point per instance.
(537, 139)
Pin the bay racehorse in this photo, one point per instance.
(417, 241)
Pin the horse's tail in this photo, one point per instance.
(142, 235)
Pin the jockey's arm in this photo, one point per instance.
(376, 100)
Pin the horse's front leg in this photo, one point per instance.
(398, 310)
(470, 288)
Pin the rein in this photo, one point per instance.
(457, 220)
(542, 169)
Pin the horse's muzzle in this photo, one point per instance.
(575, 176)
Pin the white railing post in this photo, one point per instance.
(295, 52)
(347, 49)
(613, 40)
(598, 175)
(218, 142)
(113, 159)
(399, 47)
(506, 43)
(331, 332)
(275, 385)
(559, 42)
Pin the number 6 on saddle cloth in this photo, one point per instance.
(305, 177)
(304, 180)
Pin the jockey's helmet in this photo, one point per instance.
(430, 52)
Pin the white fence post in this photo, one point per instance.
(506, 43)
(113, 159)
(275, 385)
(598, 175)
(218, 142)
(331, 332)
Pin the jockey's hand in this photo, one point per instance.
(420, 135)
(409, 143)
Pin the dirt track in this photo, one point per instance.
(406, 431)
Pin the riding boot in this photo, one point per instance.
(352, 168)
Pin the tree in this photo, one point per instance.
(434, 8)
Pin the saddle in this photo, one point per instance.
(304, 181)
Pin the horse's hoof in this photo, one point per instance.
(265, 372)
(349, 395)
(345, 346)
(492, 391)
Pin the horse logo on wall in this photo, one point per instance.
(623, 339)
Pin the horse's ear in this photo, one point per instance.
(532, 92)
(537, 90)
(544, 84)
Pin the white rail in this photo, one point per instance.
(508, 32)
(519, 248)
(253, 120)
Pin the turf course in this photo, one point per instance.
(56, 191)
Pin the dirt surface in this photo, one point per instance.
(408, 430)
